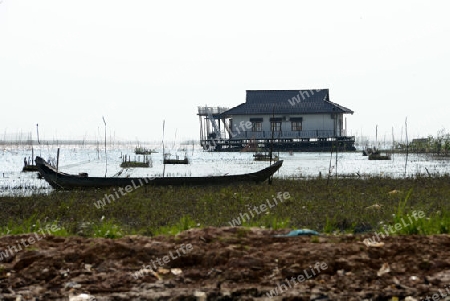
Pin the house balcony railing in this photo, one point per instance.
(205, 111)
(287, 134)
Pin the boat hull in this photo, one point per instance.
(59, 180)
(379, 157)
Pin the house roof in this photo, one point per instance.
(264, 102)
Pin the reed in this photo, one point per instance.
(347, 205)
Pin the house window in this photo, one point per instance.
(256, 124)
(275, 124)
(296, 124)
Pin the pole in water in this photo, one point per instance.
(407, 148)
(271, 142)
(164, 155)
(106, 156)
(37, 130)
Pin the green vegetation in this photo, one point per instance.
(436, 223)
(33, 224)
(436, 145)
(185, 223)
(106, 229)
(343, 206)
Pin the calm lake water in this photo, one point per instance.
(75, 159)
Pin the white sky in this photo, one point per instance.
(65, 64)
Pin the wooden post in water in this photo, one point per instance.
(337, 145)
(376, 136)
(164, 164)
(392, 148)
(406, 134)
(271, 143)
(106, 156)
(37, 130)
(329, 167)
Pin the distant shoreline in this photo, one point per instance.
(92, 142)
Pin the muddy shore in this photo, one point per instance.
(226, 264)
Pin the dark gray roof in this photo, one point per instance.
(259, 102)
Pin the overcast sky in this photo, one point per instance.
(65, 64)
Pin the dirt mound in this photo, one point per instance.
(224, 264)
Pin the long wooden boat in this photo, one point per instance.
(379, 156)
(60, 180)
(29, 167)
(176, 161)
(143, 151)
(265, 157)
(135, 164)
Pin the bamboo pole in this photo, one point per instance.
(106, 156)
(37, 130)
(164, 155)
(407, 148)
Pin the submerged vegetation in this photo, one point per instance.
(341, 206)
